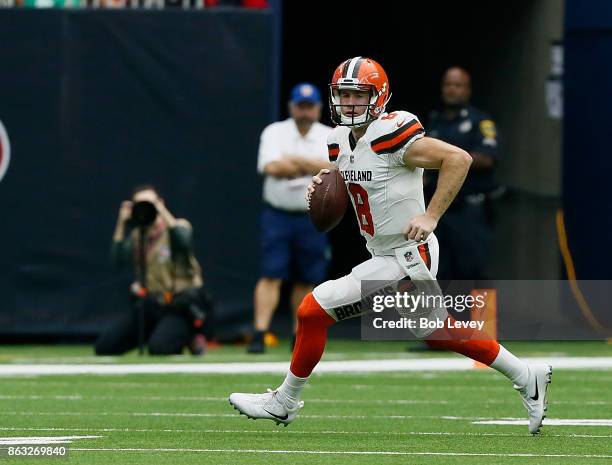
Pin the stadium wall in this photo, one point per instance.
(587, 163)
(96, 102)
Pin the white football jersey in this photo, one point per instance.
(385, 193)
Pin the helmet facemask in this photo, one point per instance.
(371, 110)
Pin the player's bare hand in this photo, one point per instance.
(420, 227)
(125, 211)
(316, 179)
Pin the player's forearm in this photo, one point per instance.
(453, 171)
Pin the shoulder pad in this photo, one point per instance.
(391, 132)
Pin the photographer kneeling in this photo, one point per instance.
(169, 310)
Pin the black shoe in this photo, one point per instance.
(257, 345)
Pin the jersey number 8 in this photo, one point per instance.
(362, 205)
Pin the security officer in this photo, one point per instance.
(465, 230)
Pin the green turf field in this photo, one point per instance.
(368, 418)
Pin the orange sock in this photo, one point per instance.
(311, 336)
(472, 343)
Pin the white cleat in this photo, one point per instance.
(535, 396)
(268, 406)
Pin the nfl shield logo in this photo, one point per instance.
(408, 256)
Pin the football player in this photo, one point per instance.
(381, 157)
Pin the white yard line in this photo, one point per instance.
(235, 415)
(342, 452)
(475, 420)
(349, 366)
(299, 432)
(550, 422)
(80, 397)
(42, 440)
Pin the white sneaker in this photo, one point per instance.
(534, 395)
(268, 406)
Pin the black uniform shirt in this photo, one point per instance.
(473, 131)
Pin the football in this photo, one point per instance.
(328, 202)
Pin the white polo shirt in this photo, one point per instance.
(281, 139)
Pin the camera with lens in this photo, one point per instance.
(144, 214)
